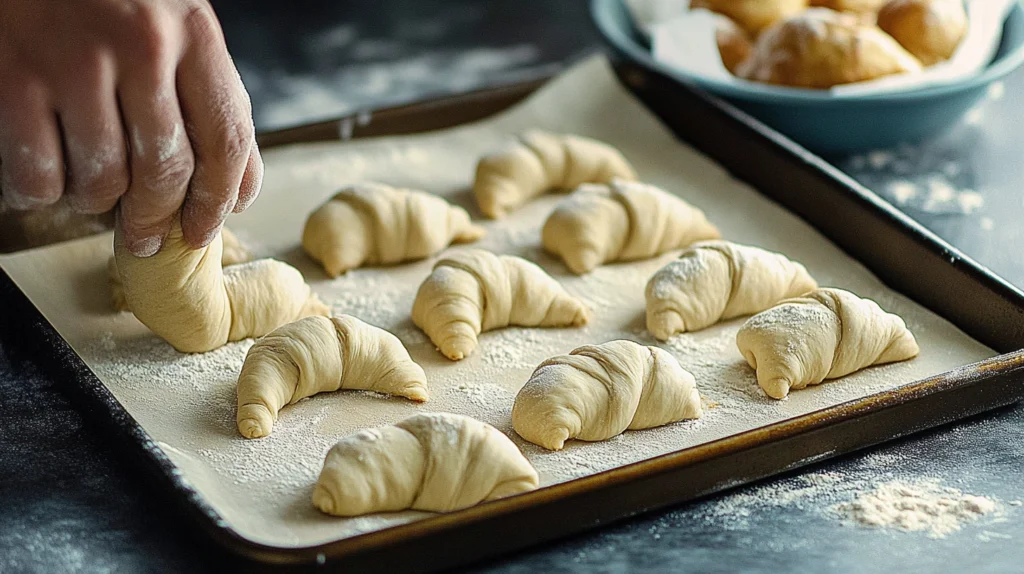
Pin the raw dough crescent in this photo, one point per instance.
(472, 290)
(826, 334)
(233, 254)
(540, 162)
(622, 221)
(374, 224)
(187, 298)
(315, 355)
(717, 280)
(437, 462)
(598, 391)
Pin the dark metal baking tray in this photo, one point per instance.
(898, 250)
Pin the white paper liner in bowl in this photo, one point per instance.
(684, 39)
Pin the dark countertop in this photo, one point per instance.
(71, 502)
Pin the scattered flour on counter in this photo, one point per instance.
(923, 505)
(918, 178)
(996, 90)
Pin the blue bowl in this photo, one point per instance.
(821, 122)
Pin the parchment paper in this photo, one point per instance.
(262, 488)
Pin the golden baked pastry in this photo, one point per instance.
(821, 48)
(753, 15)
(733, 44)
(855, 6)
(931, 30)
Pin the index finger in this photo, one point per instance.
(218, 119)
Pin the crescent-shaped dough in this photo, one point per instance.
(317, 355)
(821, 49)
(717, 280)
(598, 391)
(438, 462)
(186, 297)
(472, 290)
(376, 224)
(826, 334)
(622, 221)
(931, 30)
(540, 162)
(753, 15)
(234, 253)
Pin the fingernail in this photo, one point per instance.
(146, 247)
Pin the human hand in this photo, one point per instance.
(135, 101)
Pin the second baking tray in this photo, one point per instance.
(892, 246)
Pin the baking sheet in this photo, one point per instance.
(262, 488)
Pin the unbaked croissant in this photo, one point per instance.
(622, 221)
(318, 355)
(598, 391)
(540, 162)
(437, 462)
(821, 49)
(826, 334)
(187, 298)
(472, 290)
(374, 224)
(717, 280)
(233, 254)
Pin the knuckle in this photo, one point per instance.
(33, 178)
(101, 187)
(171, 173)
(149, 33)
(232, 142)
(202, 25)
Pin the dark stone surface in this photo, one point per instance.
(71, 502)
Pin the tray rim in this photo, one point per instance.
(103, 403)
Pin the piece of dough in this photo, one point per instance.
(753, 15)
(929, 29)
(717, 280)
(826, 334)
(622, 221)
(821, 48)
(472, 290)
(233, 254)
(598, 391)
(376, 224)
(317, 355)
(185, 296)
(438, 462)
(540, 162)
